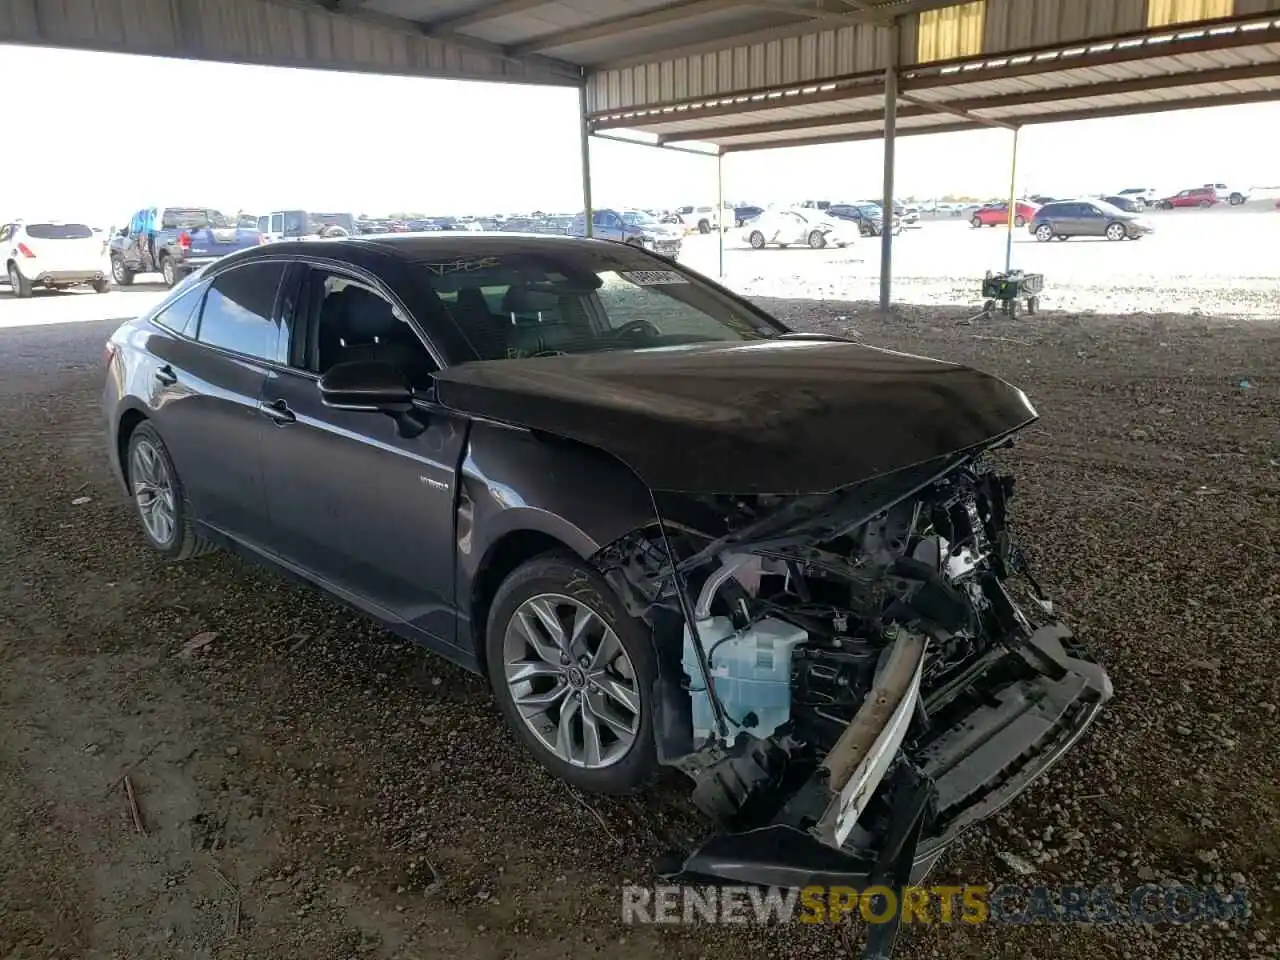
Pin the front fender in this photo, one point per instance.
(514, 480)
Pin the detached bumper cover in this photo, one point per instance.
(969, 772)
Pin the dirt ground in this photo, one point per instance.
(312, 787)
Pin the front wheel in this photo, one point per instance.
(704, 226)
(816, 240)
(756, 240)
(1044, 233)
(1203, 204)
(121, 273)
(159, 498)
(1116, 231)
(573, 674)
(101, 285)
(19, 284)
(1236, 199)
(976, 222)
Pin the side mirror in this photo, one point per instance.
(369, 386)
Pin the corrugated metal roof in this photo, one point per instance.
(1195, 67)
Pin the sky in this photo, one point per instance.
(256, 139)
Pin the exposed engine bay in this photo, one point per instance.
(848, 678)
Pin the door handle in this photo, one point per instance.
(277, 410)
(166, 375)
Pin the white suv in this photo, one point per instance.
(53, 255)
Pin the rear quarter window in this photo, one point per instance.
(59, 231)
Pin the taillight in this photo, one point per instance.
(25, 250)
(184, 240)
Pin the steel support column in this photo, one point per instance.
(584, 128)
(890, 143)
(720, 209)
(1013, 202)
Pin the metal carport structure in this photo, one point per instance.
(736, 75)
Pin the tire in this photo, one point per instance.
(184, 542)
(1060, 237)
(1044, 233)
(976, 222)
(1203, 204)
(564, 581)
(121, 273)
(1236, 199)
(816, 240)
(101, 285)
(1033, 306)
(169, 271)
(756, 240)
(1019, 221)
(19, 284)
(1116, 231)
(704, 226)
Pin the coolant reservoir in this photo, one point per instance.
(751, 671)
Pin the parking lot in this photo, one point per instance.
(313, 787)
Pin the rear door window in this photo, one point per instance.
(239, 310)
(59, 231)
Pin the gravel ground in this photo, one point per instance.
(312, 787)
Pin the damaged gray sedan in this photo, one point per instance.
(668, 529)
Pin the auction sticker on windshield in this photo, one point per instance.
(652, 278)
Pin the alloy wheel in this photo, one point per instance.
(571, 681)
(153, 492)
(1115, 232)
(117, 270)
(167, 271)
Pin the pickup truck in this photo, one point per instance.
(175, 241)
(630, 226)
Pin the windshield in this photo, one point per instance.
(193, 218)
(638, 218)
(510, 306)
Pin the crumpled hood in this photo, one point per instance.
(768, 417)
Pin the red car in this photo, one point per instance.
(1195, 197)
(997, 214)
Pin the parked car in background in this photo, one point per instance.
(745, 213)
(1227, 195)
(910, 216)
(1143, 196)
(701, 219)
(54, 255)
(785, 228)
(297, 224)
(1127, 204)
(1202, 197)
(174, 241)
(498, 446)
(630, 226)
(1064, 219)
(867, 215)
(997, 214)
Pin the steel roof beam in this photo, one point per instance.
(970, 108)
(626, 24)
(1066, 116)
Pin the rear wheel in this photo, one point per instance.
(159, 498)
(573, 674)
(1116, 231)
(756, 240)
(816, 240)
(704, 226)
(121, 273)
(19, 284)
(101, 285)
(169, 271)
(1236, 199)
